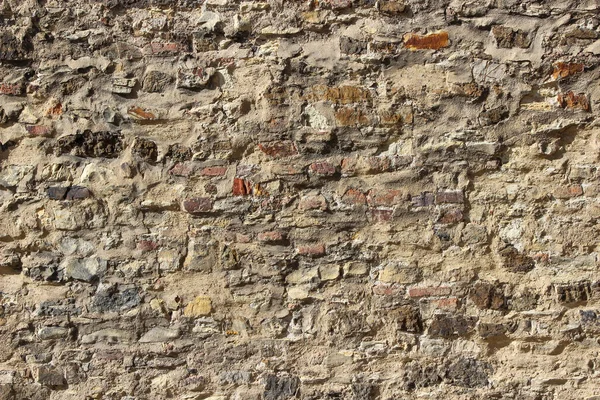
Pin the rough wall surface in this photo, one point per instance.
(343, 199)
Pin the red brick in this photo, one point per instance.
(432, 41)
(313, 250)
(322, 168)
(279, 149)
(574, 101)
(271, 236)
(354, 197)
(432, 291)
(198, 205)
(449, 196)
(385, 197)
(214, 171)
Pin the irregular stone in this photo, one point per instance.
(160, 334)
(200, 306)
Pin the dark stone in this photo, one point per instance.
(352, 46)
(468, 372)
(91, 144)
(156, 81)
(57, 192)
(485, 295)
(361, 391)
(281, 388)
(448, 326)
(112, 299)
(179, 153)
(145, 149)
(573, 293)
(490, 330)
(78, 193)
(13, 49)
(516, 262)
(55, 308)
(419, 376)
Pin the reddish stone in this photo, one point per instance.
(382, 215)
(446, 304)
(432, 291)
(385, 197)
(278, 149)
(38, 130)
(198, 205)
(55, 110)
(574, 101)
(322, 168)
(432, 41)
(12, 89)
(387, 289)
(312, 203)
(562, 69)
(451, 216)
(147, 245)
(354, 197)
(164, 49)
(213, 171)
(314, 250)
(181, 169)
(567, 192)
(271, 236)
(449, 196)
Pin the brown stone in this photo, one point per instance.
(562, 69)
(198, 205)
(574, 101)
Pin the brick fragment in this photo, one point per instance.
(563, 69)
(385, 197)
(271, 237)
(214, 171)
(198, 205)
(312, 250)
(322, 168)
(568, 192)
(574, 101)
(432, 291)
(279, 149)
(432, 41)
(449, 197)
(354, 197)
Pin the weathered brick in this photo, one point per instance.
(385, 197)
(568, 192)
(432, 41)
(574, 101)
(449, 197)
(317, 202)
(431, 291)
(312, 250)
(451, 216)
(351, 117)
(563, 69)
(39, 130)
(198, 205)
(165, 49)
(214, 171)
(271, 237)
(354, 197)
(322, 168)
(279, 149)
(12, 89)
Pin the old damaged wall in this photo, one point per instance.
(343, 199)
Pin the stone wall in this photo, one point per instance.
(326, 199)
